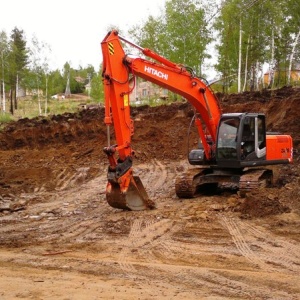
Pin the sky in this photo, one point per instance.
(74, 29)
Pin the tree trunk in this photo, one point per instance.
(16, 92)
(240, 57)
(246, 64)
(46, 100)
(271, 66)
(15, 99)
(12, 94)
(291, 58)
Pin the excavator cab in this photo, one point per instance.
(241, 140)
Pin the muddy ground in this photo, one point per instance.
(59, 239)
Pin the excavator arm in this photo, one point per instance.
(123, 190)
(118, 71)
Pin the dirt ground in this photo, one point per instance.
(59, 239)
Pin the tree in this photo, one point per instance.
(18, 60)
(180, 34)
(244, 29)
(255, 33)
(293, 22)
(187, 46)
(4, 51)
(39, 70)
(56, 83)
(97, 91)
(151, 34)
(227, 25)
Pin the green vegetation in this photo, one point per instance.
(243, 39)
(5, 118)
(29, 107)
(25, 71)
(249, 38)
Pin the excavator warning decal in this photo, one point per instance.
(111, 48)
(126, 100)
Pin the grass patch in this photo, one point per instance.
(31, 107)
(5, 117)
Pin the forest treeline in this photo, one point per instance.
(251, 44)
(243, 38)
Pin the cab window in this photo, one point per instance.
(227, 138)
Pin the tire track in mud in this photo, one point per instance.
(240, 241)
(158, 182)
(225, 286)
(261, 248)
(63, 215)
(61, 179)
(277, 251)
(158, 178)
(143, 235)
(68, 178)
(73, 230)
(76, 231)
(207, 280)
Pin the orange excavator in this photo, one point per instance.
(234, 148)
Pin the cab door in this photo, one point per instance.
(227, 148)
(241, 140)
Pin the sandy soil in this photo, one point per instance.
(59, 239)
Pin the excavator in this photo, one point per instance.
(234, 149)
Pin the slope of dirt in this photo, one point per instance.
(59, 239)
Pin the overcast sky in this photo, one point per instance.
(74, 29)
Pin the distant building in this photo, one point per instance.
(80, 79)
(21, 92)
(145, 90)
(31, 92)
(295, 75)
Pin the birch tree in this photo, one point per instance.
(293, 22)
(249, 37)
(4, 51)
(180, 34)
(228, 26)
(39, 54)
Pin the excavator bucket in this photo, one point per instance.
(136, 197)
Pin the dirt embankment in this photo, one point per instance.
(60, 240)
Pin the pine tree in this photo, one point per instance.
(18, 62)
